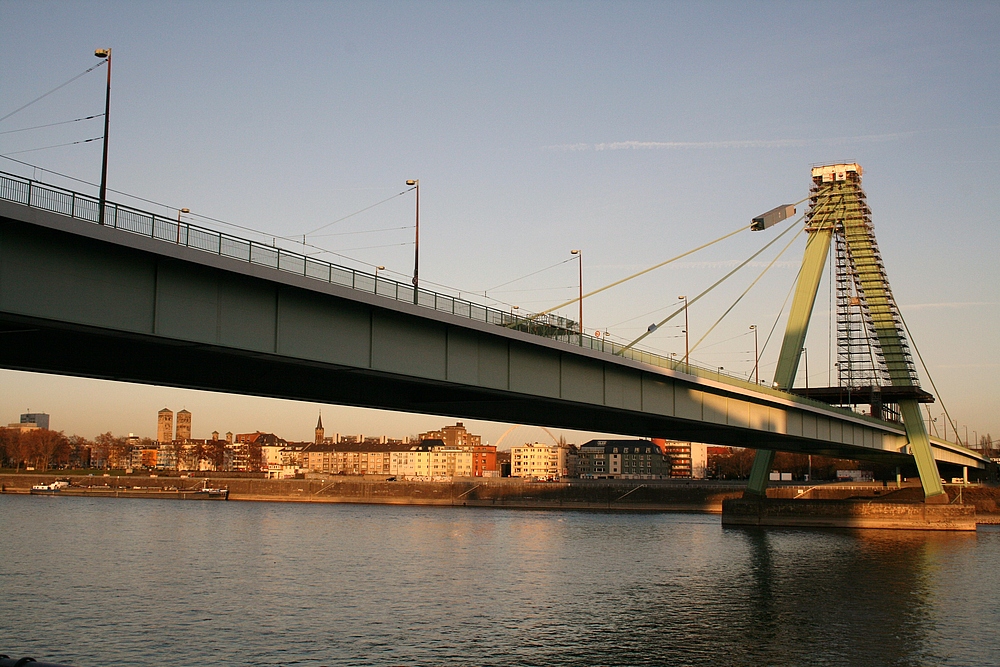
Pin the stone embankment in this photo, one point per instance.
(632, 495)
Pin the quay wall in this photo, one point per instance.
(639, 495)
(848, 514)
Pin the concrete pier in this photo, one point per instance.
(854, 513)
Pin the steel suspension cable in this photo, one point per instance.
(747, 290)
(643, 272)
(766, 269)
(655, 266)
(954, 426)
(781, 310)
(709, 289)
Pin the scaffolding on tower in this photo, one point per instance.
(874, 363)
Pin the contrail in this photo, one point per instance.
(739, 143)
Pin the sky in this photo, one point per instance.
(632, 131)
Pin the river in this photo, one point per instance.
(94, 582)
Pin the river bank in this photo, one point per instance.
(512, 493)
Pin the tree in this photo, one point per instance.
(79, 451)
(217, 453)
(197, 454)
(255, 456)
(732, 464)
(110, 451)
(47, 447)
(10, 446)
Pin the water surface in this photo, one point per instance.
(95, 581)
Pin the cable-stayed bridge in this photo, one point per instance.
(147, 299)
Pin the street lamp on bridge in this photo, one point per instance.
(103, 196)
(756, 355)
(687, 350)
(179, 211)
(415, 182)
(579, 255)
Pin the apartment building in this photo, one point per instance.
(539, 461)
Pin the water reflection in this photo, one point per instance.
(789, 596)
(267, 584)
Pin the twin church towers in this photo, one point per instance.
(165, 426)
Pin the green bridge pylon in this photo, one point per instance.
(838, 206)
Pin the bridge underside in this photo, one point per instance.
(35, 345)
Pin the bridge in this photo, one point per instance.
(146, 299)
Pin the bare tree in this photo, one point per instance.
(217, 454)
(111, 450)
(10, 447)
(255, 457)
(47, 447)
(79, 451)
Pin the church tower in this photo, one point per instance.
(319, 430)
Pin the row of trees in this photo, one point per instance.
(735, 463)
(43, 449)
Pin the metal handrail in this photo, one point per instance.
(135, 221)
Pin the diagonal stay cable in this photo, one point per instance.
(747, 290)
(709, 289)
(644, 271)
(63, 85)
(784, 303)
(656, 266)
(926, 370)
(777, 319)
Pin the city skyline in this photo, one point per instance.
(650, 130)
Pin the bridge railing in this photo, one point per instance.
(135, 221)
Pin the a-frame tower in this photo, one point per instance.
(874, 362)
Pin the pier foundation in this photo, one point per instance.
(847, 514)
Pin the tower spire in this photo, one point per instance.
(319, 429)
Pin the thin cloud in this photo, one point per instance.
(949, 304)
(738, 144)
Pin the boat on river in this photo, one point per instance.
(49, 489)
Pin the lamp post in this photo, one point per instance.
(756, 355)
(103, 196)
(687, 349)
(179, 211)
(416, 243)
(806, 353)
(579, 254)
(377, 269)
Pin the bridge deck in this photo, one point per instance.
(147, 300)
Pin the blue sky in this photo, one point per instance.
(634, 131)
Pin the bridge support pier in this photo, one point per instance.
(757, 486)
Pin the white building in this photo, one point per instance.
(427, 461)
(538, 461)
